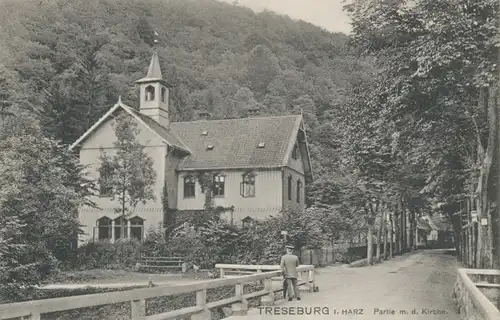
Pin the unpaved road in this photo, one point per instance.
(413, 286)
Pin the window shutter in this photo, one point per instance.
(242, 189)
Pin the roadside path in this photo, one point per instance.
(134, 281)
(413, 286)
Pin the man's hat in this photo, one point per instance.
(289, 246)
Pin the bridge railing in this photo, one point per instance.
(306, 272)
(32, 310)
(473, 290)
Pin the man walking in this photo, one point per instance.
(289, 264)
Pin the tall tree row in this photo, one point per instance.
(436, 95)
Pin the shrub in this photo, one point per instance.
(123, 254)
(216, 241)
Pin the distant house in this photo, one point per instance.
(434, 232)
(423, 232)
(259, 166)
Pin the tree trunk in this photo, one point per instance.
(391, 238)
(369, 235)
(369, 244)
(402, 229)
(379, 233)
(408, 230)
(396, 232)
(384, 221)
(403, 226)
(487, 181)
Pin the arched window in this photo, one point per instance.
(150, 93)
(189, 187)
(121, 230)
(219, 185)
(299, 190)
(137, 228)
(289, 188)
(104, 228)
(295, 151)
(163, 94)
(247, 186)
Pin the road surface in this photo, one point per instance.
(413, 286)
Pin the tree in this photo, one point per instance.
(44, 186)
(129, 173)
(440, 79)
(262, 68)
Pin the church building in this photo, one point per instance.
(259, 165)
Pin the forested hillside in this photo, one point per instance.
(70, 60)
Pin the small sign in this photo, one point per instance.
(284, 233)
(473, 214)
(474, 218)
(484, 222)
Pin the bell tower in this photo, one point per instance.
(154, 93)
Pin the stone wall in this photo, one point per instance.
(471, 302)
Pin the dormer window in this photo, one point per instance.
(150, 93)
(204, 133)
(261, 145)
(210, 147)
(163, 94)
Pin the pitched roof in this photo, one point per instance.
(154, 71)
(423, 224)
(440, 223)
(168, 137)
(164, 133)
(235, 142)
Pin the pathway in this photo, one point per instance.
(413, 286)
(132, 280)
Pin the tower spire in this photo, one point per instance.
(154, 71)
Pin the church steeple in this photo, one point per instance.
(154, 93)
(154, 71)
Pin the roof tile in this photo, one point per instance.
(236, 142)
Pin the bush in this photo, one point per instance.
(208, 242)
(216, 241)
(123, 254)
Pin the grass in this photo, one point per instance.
(122, 311)
(115, 276)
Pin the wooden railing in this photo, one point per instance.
(469, 293)
(33, 310)
(228, 270)
(306, 272)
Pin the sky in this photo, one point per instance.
(327, 14)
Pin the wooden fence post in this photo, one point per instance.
(311, 281)
(268, 300)
(240, 308)
(139, 309)
(201, 301)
